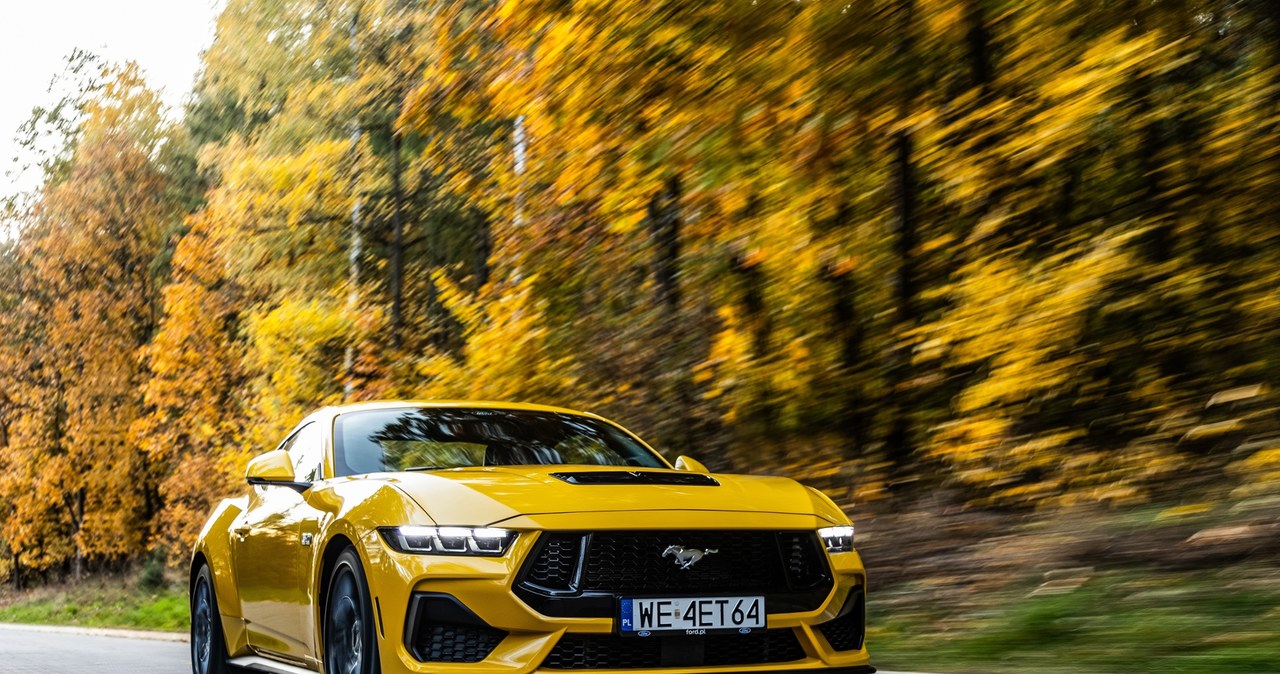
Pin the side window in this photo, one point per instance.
(306, 448)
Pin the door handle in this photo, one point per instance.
(242, 532)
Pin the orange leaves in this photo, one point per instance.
(194, 394)
(1023, 238)
(90, 294)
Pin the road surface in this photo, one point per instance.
(25, 651)
(29, 651)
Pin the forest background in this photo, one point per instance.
(1001, 277)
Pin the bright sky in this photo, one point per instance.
(165, 37)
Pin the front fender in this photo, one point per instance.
(213, 546)
(354, 511)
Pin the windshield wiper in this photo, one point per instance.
(428, 468)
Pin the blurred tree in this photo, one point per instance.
(89, 292)
(1023, 249)
(197, 440)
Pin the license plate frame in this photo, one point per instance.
(690, 616)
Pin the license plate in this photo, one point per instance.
(691, 615)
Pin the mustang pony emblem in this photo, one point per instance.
(687, 557)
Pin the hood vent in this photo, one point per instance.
(638, 477)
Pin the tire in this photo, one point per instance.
(208, 647)
(350, 641)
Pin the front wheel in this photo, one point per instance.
(350, 643)
(208, 648)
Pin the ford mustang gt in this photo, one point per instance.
(486, 538)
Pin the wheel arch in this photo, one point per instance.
(213, 549)
(332, 548)
(197, 560)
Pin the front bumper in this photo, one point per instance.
(507, 636)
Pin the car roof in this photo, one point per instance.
(450, 404)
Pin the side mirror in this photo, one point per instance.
(274, 469)
(691, 464)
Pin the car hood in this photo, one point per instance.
(489, 495)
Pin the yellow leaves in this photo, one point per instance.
(561, 39)
(1182, 511)
(1263, 461)
(944, 19)
(1259, 471)
(1217, 429)
(194, 429)
(295, 346)
(1021, 323)
(730, 355)
(510, 352)
(298, 188)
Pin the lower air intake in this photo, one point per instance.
(442, 629)
(455, 643)
(847, 630)
(607, 651)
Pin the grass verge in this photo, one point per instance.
(1203, 622)
(99, 603)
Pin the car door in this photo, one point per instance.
(272, 552)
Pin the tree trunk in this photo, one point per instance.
(75, 504)
(899, 443)
(397, 244)
(483, 251)
(852, 421)
(519, 156)
(355, 251)
(978, 40)
(765, 417)
(664, 224)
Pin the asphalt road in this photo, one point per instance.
(25, 651)
(29, 651)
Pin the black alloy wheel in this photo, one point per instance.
(208, 648)
(350, 643)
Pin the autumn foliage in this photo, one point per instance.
(1025, 250)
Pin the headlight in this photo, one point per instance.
(837, 539)
(479, 541)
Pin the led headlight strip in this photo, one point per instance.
(474, 541)
(837, 539)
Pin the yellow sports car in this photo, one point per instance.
(490, 538)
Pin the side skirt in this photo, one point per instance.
(256, 663)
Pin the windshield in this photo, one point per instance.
(431, 438)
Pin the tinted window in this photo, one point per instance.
(427, 438)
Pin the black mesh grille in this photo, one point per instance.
(757, 647)
(607, 651)
(789, 568)
(635, 562)
(436, 642)
(556, 561)
(604, 651)
(846, 632)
